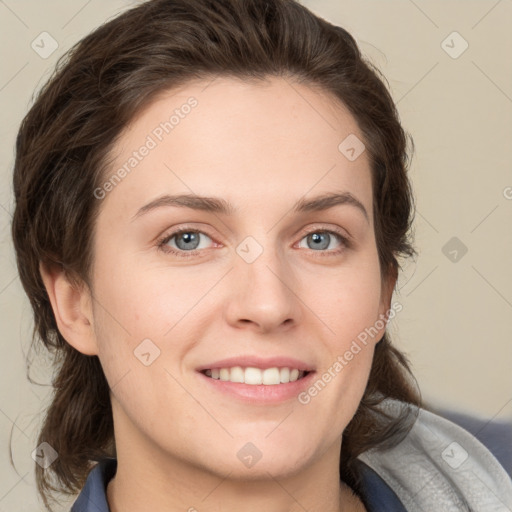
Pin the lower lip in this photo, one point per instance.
(260, 393)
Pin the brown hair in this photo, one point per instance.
(62, 153)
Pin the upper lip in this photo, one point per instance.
(258, 362)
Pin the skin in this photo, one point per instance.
(262, 147)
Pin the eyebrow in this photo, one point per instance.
(221, 206)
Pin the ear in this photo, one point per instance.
(72, 308)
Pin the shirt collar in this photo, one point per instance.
(93, 497)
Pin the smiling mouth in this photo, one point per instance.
(256, 376)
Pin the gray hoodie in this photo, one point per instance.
(440, 467)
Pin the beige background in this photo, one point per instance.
(455, 324)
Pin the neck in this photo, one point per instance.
(148, 483)
(151, 478)
(272, 497)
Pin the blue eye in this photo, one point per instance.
(187, 242)
(321, 239)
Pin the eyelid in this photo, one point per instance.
(325, 227)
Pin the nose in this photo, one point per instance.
(262, 295)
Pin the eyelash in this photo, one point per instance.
(162, 242)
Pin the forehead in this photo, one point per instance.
(268, 140)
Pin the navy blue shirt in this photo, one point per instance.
(376, 494)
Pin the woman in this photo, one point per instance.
(211, 200)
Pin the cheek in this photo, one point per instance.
(349, 308)
(347, 301)
(146, 300)
(150, 316)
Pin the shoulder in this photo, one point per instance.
(440, 466)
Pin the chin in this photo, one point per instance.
(260, 458)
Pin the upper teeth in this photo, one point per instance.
(251, 375)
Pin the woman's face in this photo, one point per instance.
(261, 282)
